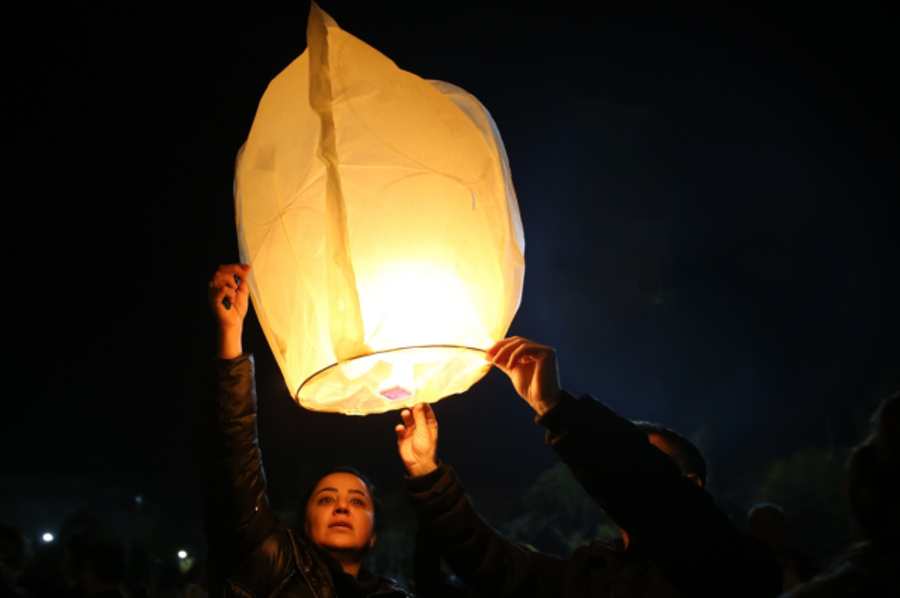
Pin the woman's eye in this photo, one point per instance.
(357, 501)
(325, 499)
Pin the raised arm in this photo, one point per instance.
(237, 517)
(488, 563)
(229, 301)
(632, 480)
(677, 523)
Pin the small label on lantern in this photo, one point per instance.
(395, 393)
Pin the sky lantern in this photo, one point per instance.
(379, 216)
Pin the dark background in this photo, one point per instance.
(709, 195)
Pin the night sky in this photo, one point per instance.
(709, 195)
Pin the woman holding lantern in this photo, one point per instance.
(251, 554)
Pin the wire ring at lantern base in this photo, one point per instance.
(393, 379)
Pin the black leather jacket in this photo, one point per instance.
(682, 544)
(251, 555)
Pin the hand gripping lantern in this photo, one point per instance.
(379, 216)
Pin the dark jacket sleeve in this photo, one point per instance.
(237, 517)
(489, 564)
(427, 575)
(675, 522)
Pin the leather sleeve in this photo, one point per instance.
(489, 564)
(427, 575)
(677, 523)
(237, 516)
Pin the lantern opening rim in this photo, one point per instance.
(385, 352)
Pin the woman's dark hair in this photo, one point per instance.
(307, 493)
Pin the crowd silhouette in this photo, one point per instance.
(672, 540)
(94, 562)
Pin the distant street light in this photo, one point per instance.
(138, 499)
(182, 554)
(48, 537)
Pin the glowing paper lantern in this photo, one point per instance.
(377, 211)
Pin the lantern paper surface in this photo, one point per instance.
(377, 212)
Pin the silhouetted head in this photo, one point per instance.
(105, 564)
(340, 512)
(873, 474)
(15, 552)
(886, 434)
(684, 452)
(73, 558)
(767, 522)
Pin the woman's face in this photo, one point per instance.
(340, 515)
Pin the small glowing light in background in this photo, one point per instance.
(48, 537)
(138, 499)
(182, 554)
